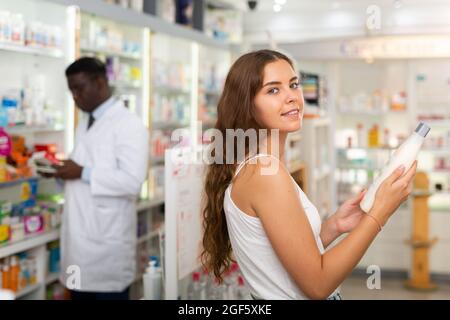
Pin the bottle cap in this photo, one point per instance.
(422, 129)
(196, 276)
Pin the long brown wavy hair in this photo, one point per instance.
(235, 111)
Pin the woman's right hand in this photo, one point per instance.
(393, 192)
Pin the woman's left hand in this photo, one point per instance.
(349, 214)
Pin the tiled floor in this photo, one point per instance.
(355, 288)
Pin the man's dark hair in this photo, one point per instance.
(91, 66)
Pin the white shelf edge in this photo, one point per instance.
(28, 290)
(318, 122)
(437, 151)
(162, 89)
(150, 235)
(366, 149)
(125, 85)
(372, 113)
(148, 204)
(32, 129)
(437, 123)
(18, 48)
(432, 171)
(33, 241)
(112, 53)
(160, 125)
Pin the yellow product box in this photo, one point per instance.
(4, 233)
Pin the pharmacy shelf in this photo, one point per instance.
(28, 290)
(438, 123)
(435, 171)
(52, 53)
(28, 243)
(357, 167)
(149, 236)
(149, 204)
(124, 55)
(52, 277)
(22, 129)
(322, 173)
(169, 91)
(319, 122)
(126, 85)
(371, 149)
(211, 92)
(17, 182)
(168, 125)
(370, 113)
(442, 152)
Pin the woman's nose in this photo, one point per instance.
(291, 98)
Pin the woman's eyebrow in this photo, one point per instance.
(272, 83)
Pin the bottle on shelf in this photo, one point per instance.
(195, 289)
(14, 274)
(373, 137)
(360, 135)
(6, 275)
(404, 155)
(217, 291)
(152, 281)
(386, 138)
(241, 291)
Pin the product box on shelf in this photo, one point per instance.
(17, 230)
(18, 271)
(4, 233)
(34, 224)
(5, 212)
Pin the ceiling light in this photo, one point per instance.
(280, 2)
(276, 8)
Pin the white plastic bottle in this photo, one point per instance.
(152, 282)
(404, 155)
(194, 288)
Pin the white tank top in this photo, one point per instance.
(264, 274)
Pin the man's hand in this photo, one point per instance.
(68, 170)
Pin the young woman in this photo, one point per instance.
(265, 221)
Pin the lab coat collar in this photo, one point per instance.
(101, 109)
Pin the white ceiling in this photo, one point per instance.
(309, 20)
(267, 5)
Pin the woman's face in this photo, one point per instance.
(279, 103)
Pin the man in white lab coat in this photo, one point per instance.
(103, 179)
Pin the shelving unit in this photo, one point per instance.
(317, 151)
(22, 49)
(41, 71)
(215, 65)
(122, 47)
(28, 243)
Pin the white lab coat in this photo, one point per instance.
(98, 232)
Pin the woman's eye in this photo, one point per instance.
(273, 91)
(295, 85)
